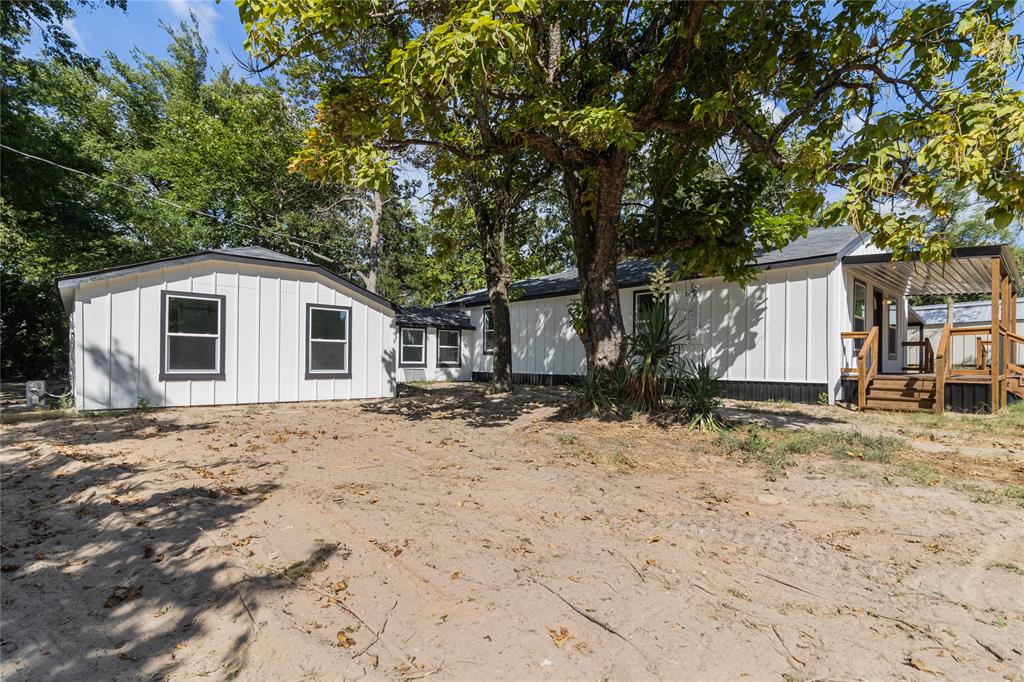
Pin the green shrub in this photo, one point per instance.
(652, 356)
(699, 397)
(603, 390)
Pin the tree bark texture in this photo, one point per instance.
(491, 222)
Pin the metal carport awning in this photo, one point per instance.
(968, 271)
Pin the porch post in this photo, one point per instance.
(1008, 344)
(994, 361)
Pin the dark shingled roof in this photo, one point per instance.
(242, 254)
(819, 244)
(259, 252)
(414, 316)
(964, 312)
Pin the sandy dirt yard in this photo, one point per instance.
(449, 536)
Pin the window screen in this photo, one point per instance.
(328, 334)
(193, 334)
(449, 342)
(413, 346)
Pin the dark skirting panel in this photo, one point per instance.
(736, 390)
(773, 390)
(969, 397)
(533, 379)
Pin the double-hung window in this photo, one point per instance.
(412, 351)
(488, 332)
(328, 341)
(449, 348)
(192, 331)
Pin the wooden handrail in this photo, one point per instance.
(869, 349)
(942, 369)
(929, 356)
(971, 330)
(853, 335)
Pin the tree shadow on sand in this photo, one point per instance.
(467, 402)
(107, 566)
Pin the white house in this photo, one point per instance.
(826, 318)
(794, 333)
(229, 326)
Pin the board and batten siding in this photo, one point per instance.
(117, 338)
(433, 372)
(778, 328)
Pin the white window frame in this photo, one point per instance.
(168, 374)
(458, 347)
(646, 293)
(488, 331)
(402, 346)
(331, 373)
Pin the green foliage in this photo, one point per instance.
(162, 127)
(577, 316)
(604, 391)
(698, 396)
(652, 353)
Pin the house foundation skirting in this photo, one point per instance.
(736, 390)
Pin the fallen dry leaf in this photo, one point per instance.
(344, 641)
(653, 538)
(560, 636)
(122, 594)
(340, 586)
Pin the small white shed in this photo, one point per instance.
(226, 326)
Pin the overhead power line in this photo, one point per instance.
(134, 190)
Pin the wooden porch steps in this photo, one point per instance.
(906, 393)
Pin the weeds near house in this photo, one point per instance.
(699, 397)
(603, 391)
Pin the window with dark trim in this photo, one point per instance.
(891, 329)
(449, 348)
(412, 347)
(192, 336)
(860, 307)
(328, 341)
(643, 303)
(488, 327)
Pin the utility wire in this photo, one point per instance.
(134, 190)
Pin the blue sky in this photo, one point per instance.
(104, 29)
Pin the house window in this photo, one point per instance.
(643, 304)
(413, 347)
(449, 348)
(891, 330)
(193, 336)
(328, 347)
(488, 332)
(860, 306)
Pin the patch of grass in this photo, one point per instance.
(715, 497)
(843, 445)
(71, 413)
(850, 504)
(922, 473)
(1011, 418)
(613, 459)
(567, 439)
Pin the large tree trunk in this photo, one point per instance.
(373, 258)
(594, 195)
(491, 224)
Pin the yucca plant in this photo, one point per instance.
(652, 355)
(603, 390)
(699, 397)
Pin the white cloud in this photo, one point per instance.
(205, 12)
(71, 28)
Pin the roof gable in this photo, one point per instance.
(67, 284)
